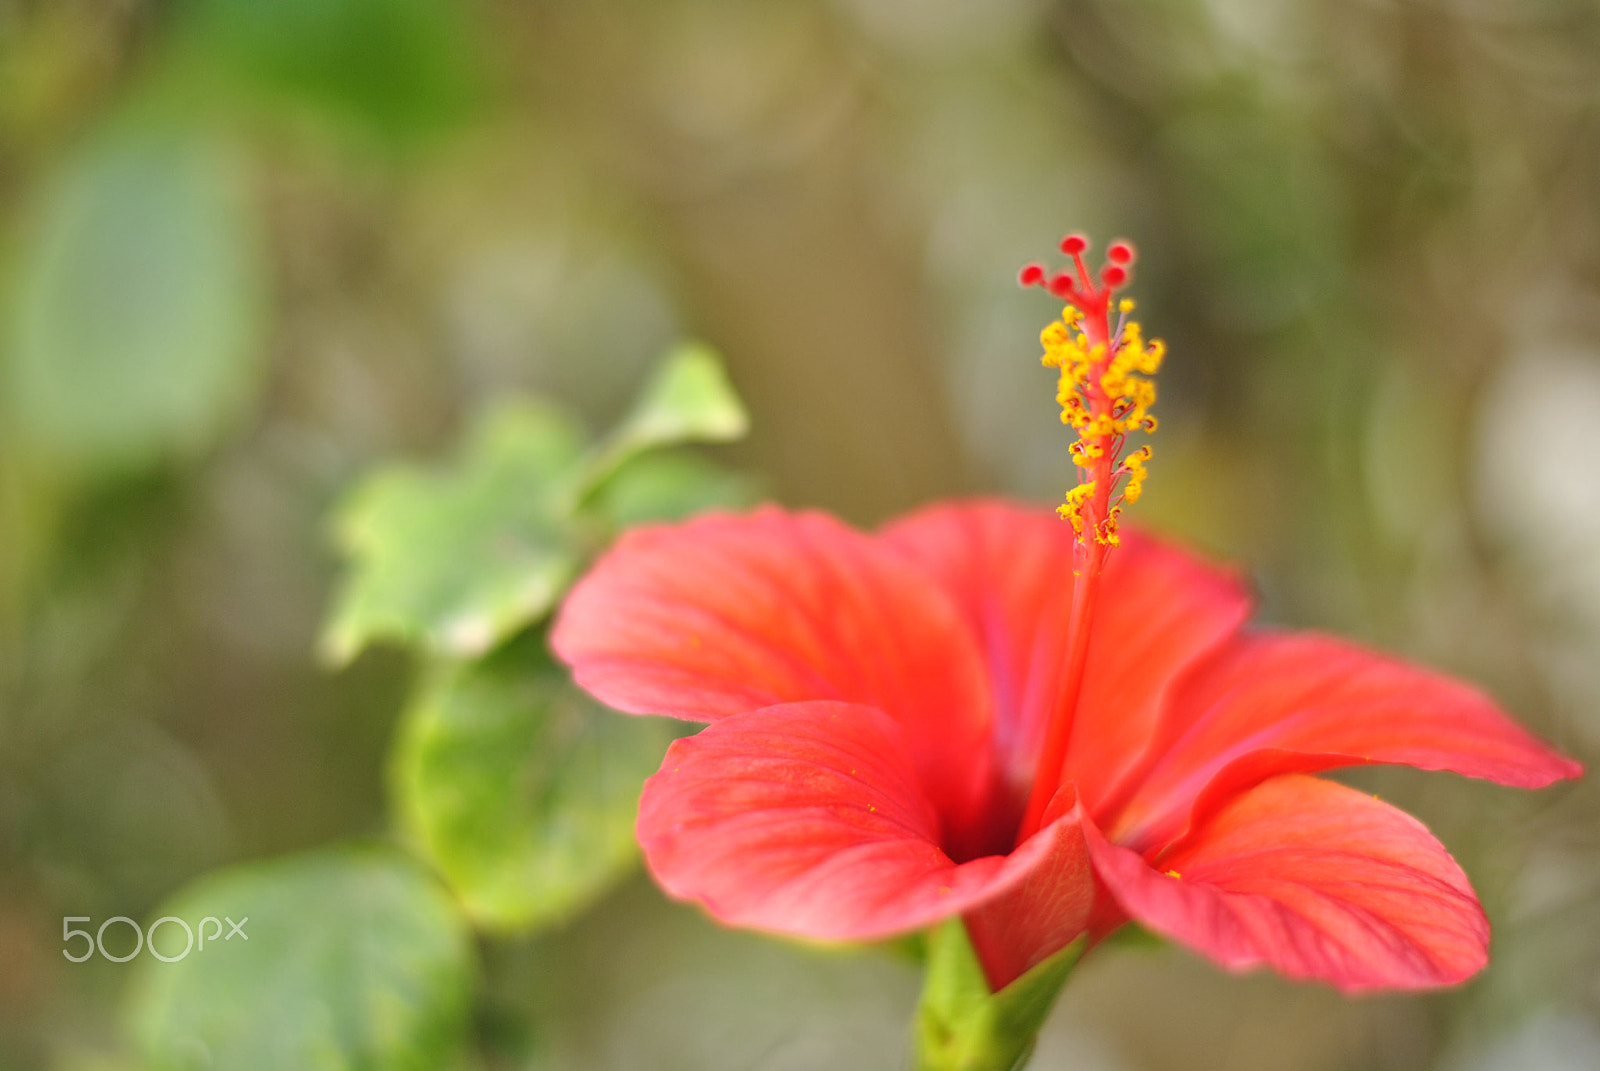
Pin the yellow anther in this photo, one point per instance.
(1105, 393)
(1072, 509)
(1134, 465)
(1105, 533)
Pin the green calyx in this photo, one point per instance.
(962, 1026)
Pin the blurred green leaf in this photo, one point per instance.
(460, 560)
(1263, 203)
(1134, 938)
(962, 1026)
(401, 67)
(521, 789)
(688, 399)
(92, 1060)
(138, 316)
(354, 960)
(670, 486)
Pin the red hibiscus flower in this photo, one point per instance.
(984, 711)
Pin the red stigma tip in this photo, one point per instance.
(1114, 276)
(1032, 275)
(1061, 285)
(1074, 244)
(1120, 253)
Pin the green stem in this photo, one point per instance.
(962, 1026)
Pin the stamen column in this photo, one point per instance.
(1103, 398)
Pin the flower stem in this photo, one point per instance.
(962, 1026)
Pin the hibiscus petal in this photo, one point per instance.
(1313, 879)
(1010, 570)
(808, 819)
(1046, 910)
(1280, 703)
(726, 614)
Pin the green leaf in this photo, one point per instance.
(457, 561)
(1135, 938)
(962, 1026)
(520, 788)
(354, 960)
(403, 68)
(688, 399)
(136, 329)
(670, 486)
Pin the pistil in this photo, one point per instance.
(1104, 395)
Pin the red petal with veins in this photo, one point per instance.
(1043, 912)
(809, 819)
(1010, 570)
(1314, 879)
(1281, 703)
(726, 614)
(861, 691)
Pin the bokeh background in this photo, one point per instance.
(251, 248)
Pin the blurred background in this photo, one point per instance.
(250, 249)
